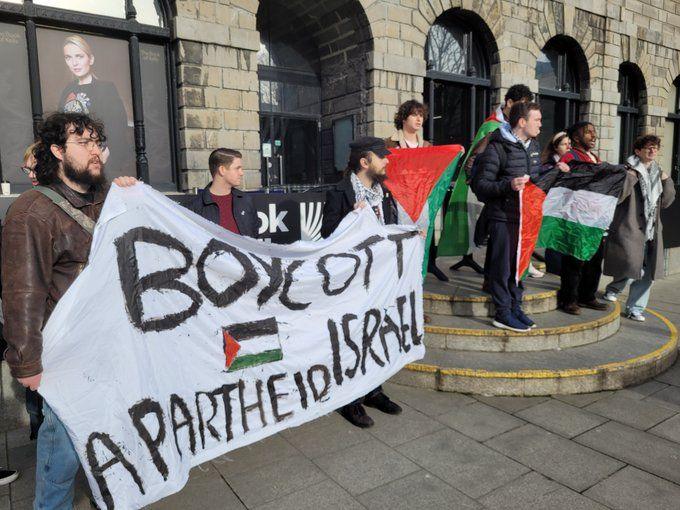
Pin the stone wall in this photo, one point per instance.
(378, 56)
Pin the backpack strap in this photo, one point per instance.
(78, 216)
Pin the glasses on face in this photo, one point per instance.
(652, 148)
(27, 170)
(89, 144)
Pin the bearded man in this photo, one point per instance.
(45, 244)
(362, 187)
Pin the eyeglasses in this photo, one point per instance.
(89, 144)
(27, 170)
(651, 148)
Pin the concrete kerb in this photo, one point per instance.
(609, 376)
(482, 306)
(540, 339)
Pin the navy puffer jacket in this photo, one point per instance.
(504, 159)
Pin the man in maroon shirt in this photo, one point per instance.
(221, 201)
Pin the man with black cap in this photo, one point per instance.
(362, 187)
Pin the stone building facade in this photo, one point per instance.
(218, 44)
(371, 56)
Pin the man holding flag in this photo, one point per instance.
(362, 187)
(510, 160)
(457, 232)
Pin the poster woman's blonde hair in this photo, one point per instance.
(80, 42)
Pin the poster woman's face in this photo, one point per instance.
(77, 60)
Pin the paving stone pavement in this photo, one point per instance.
(616, 450)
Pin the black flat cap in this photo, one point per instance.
(369, 143)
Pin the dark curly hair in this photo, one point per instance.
(576, 131)
(408, 108)
(642, 141)
(55, 131)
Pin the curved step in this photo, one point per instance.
(638, 352)
(462, 296)
(555, 330)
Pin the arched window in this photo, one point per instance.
(672, 137)
(458, 52)
(302, 124)
(633, 93)
(115, 66)
(670, 163)
(562, 75)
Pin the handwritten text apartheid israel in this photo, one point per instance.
(180, 341)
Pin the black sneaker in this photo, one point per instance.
(382, 402)
(356, 415)
(8, 476)
(523, 318)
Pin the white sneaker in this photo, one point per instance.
(635, 316)
(535, 273)
(610, 296)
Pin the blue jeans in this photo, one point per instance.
(638, 296)
(56, 465)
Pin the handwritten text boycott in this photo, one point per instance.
(180, 341)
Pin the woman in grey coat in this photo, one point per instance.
(634, 248)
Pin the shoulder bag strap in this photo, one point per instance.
(78, 216)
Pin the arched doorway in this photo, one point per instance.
(459, 53)
(563, 78)
(633, 92)
(312, 79)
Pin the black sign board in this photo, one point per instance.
(289, 217)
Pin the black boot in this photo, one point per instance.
(356, 415)
(382, 402)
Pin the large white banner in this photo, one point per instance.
(181, 341)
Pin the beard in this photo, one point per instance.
(84, 176)
(376, 177)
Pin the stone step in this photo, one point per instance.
(462, 295)
(636, 353)
(555, 330)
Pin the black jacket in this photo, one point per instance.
(502, 161)
(244, 212)
(340, 201)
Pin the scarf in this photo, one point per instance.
(651, 187)
(398, 138)
(373, 196)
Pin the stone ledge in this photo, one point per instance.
(547, 381)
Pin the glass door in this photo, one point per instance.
(289, 151)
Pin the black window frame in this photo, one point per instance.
(470, 78)
(572, 99)
(674, 118)
(33, 16)
(629, 112)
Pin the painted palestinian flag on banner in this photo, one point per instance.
(463, 208)
(418, 180)
(573, 215)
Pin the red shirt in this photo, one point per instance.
(225, 204)
(578, 155)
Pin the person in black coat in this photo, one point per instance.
(510, 160)
(361, 187)
(221, 202)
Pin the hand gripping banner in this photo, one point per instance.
(181, 341)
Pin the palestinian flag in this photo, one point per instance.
(418, 180)
(573, 215)
(463, 208)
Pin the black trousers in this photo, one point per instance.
(500, 266)
(371, 393)
(580, 279)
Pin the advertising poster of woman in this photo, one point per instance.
(73, 79)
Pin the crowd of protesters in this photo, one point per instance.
(48, 231)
